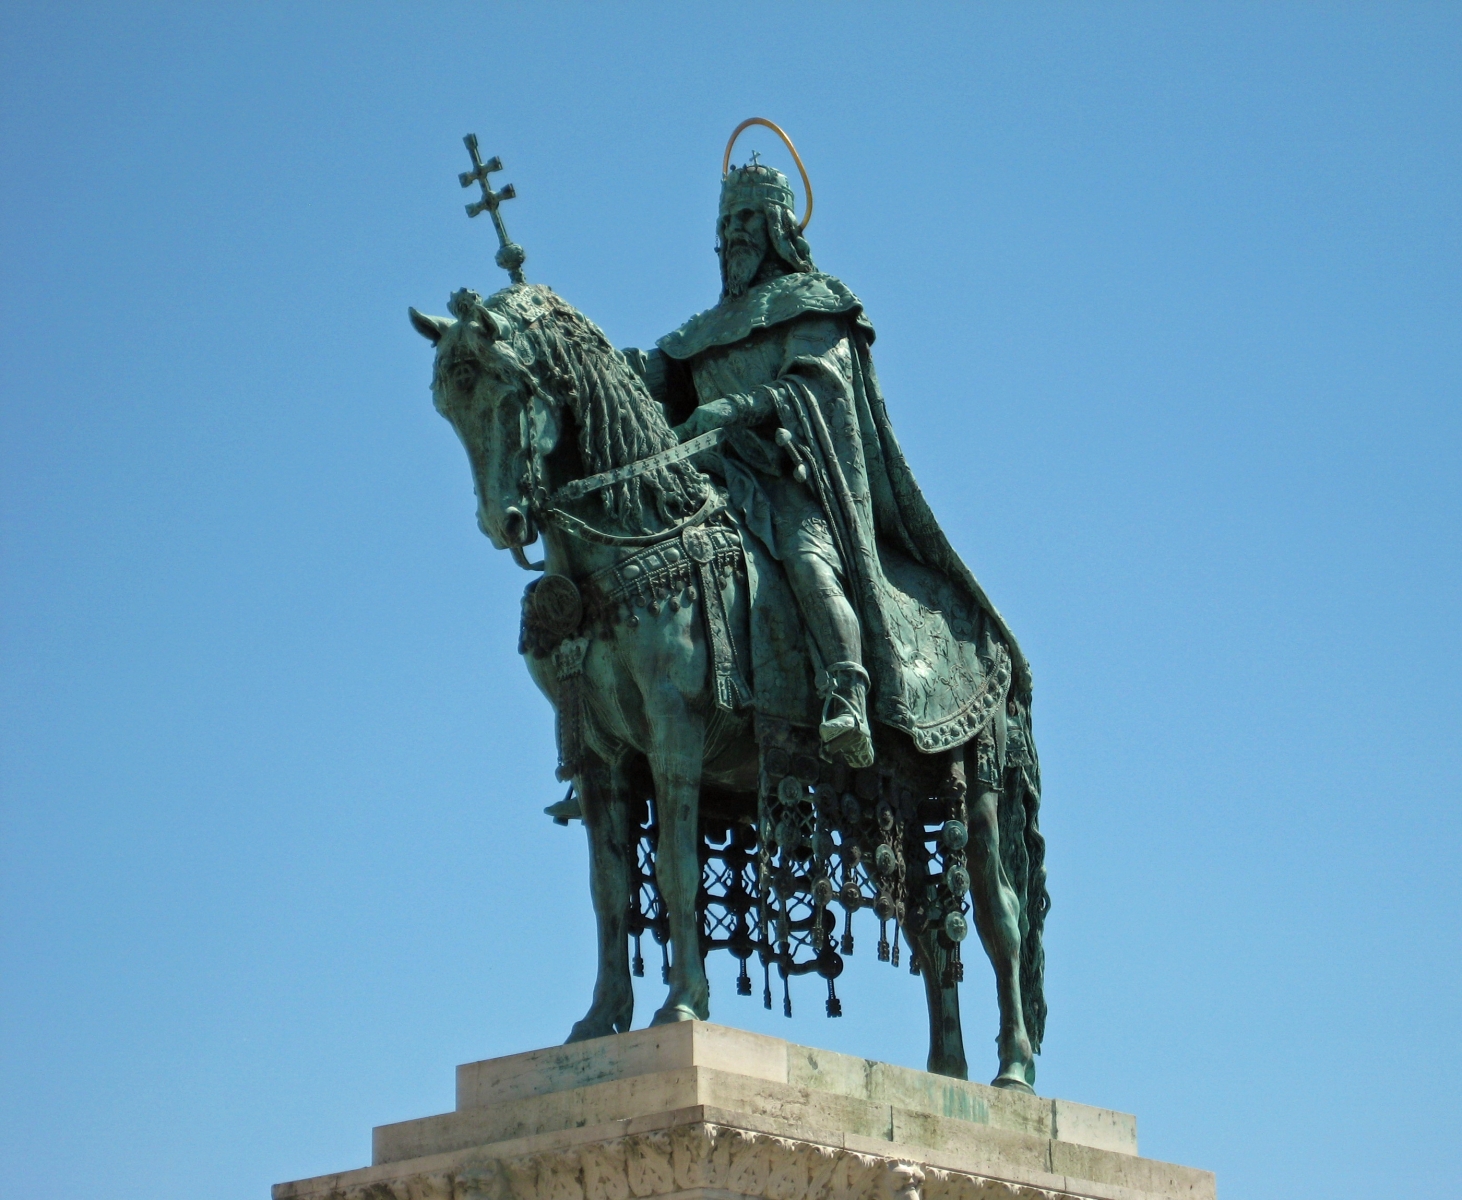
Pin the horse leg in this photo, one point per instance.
(678, 738)
(946, 1038)
(604, 803)
(997, 917)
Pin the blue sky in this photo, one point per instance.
(1168, 310)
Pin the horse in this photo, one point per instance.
(632, 633)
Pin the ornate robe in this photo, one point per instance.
(939, 654)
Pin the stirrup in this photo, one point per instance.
(846, 735)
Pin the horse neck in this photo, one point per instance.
(577, 554)
(566, 554)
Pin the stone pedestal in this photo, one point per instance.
(703, 1112)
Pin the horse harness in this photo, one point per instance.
(695, 560)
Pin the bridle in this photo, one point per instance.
(546, 508)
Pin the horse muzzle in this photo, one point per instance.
(518, 531)
(517, 528)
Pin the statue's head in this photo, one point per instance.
(756, 233)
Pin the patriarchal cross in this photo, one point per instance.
(510, 255)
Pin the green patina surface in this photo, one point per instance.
(763, 650)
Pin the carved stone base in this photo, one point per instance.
(702, 1112)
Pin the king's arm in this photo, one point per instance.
(815, 350)
(668, 381)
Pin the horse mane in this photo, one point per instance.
(618, 420)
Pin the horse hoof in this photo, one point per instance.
(1012, 1084)
(597, 1027)
(673, 1013)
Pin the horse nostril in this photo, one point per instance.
(515, 527)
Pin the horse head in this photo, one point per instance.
(539, 396)
(484, 385)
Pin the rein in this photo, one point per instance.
(571, 524)
(546, 508)
(579, 488)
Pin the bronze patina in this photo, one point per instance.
(781, 696)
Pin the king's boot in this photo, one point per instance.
(844, 730)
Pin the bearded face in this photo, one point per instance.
(744, 247)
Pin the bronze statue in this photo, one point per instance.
(779, 691)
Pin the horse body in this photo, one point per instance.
(511, 378)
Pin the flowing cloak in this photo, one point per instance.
(940, 657)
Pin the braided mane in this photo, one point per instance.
(618, 420)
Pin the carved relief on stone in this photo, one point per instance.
(691, 1157)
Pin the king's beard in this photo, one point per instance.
(742, 263)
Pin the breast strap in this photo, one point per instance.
(704, 556)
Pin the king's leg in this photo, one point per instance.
(809, 558)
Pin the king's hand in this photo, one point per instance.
(714, 414)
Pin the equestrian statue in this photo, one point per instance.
(781, 697)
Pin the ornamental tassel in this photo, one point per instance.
(766, 996)
(848, 934)
(894, 945)
(665, 962)
(743, 981)
(882, 939)
(834, 1005)
(786, 996)
(637, 966)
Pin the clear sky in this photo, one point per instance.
(1167, 299)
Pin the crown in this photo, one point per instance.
(760, 185)
(755, 186)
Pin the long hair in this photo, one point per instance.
(618, 421)
(783, 238)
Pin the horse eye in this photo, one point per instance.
(464, 375)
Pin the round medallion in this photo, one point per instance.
(884, 860)
(698, 545)
(957, 879)
(557, 606)
(790, 791)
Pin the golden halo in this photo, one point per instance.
(797, 158)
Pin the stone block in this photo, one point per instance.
(702, 1112)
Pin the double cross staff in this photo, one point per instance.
(510, 255)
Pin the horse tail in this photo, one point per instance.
(1023, 855)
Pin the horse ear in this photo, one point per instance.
(430, 328)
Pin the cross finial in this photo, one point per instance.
(755, 159)
(510, 255)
